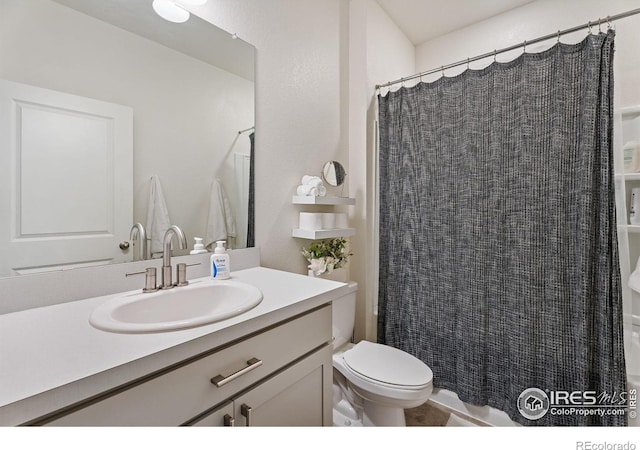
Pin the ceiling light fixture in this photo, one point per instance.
(172, 11)
(193, 2)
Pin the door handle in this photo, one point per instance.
(221, 380)
(124, 245)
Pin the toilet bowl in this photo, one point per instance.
(373, 383)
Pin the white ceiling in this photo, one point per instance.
(422, 20)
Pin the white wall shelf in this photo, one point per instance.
(327, 233)
(324, 234)
(311, 200)
(629, 111)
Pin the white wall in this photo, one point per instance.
(317, 65)
(185, 124)
(299, 106)
(390, 53)
(533, 20)
(378, 51)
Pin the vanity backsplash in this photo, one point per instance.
(18, 293)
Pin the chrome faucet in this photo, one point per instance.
(173, 230)
(137, 231)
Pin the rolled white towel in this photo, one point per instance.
(312, 181)
(307, 190)
(322, 191)
(307, 178)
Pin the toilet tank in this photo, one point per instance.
(344, 316)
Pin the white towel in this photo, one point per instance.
(634, 278)
(311, 181)
(307, 190)
(157, 215)
(221, 224)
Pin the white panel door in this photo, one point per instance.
(66, 179)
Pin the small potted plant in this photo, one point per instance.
(326, 255)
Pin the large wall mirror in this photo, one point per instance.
(107, 111)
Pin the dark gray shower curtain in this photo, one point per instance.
(498, 244)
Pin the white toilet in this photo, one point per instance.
(372, 383)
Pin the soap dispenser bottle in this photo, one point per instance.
(220, 267)
(198, 247)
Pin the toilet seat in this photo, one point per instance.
(387, 367)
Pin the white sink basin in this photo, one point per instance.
(199, 303)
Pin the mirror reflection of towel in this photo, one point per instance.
(221, 224)
(634, 278)
(157, 215)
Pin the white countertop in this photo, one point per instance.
(51, 357)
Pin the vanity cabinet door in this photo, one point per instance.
(220, 417)
(298, 396)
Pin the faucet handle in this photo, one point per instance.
(182, 273)
(150, 278)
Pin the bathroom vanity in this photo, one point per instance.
(268, 366)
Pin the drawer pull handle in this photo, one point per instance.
(221, 380)
(246, 411)
(229, 421)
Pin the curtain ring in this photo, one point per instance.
(558, 36)
(608, 23)
(589, 25)
(467, 63)
(525, 47)
(442, 70)
(495, 54)
(599, 28)
(402, 82)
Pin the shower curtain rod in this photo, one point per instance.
(248, 129)
(514, 47)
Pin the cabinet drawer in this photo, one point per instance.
(176, 396)
(300, 395)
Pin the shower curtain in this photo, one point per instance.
(498, 245)
(251, 215)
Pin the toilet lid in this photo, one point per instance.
(387, 365)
